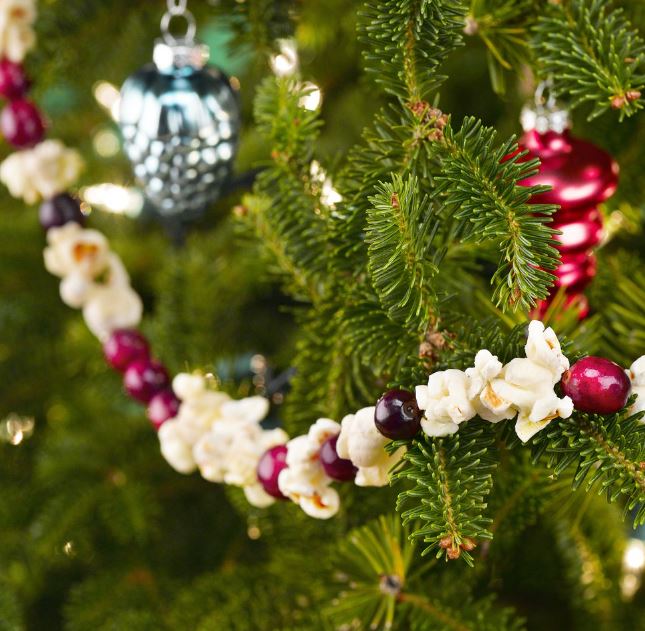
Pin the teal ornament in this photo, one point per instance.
(180, 121)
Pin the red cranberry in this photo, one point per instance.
(596, 385)
(397, 416)
(59, 210)
(163, 406)
(13, 81)
(271, 463)
(124, 347)
(22, 124)
(335, 467)
(144, 378)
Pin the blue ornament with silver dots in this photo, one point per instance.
(180, 121)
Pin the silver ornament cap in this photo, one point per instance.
(180, 122)
(545, 114)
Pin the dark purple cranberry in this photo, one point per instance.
(124, 347)
(13, 81)
(143, 378)
(21, 124)
(271, 463)
(397, 415)
(162, 407)
(596, 385)
(335, 467)
(59, 210)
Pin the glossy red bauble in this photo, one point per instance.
(581, 176)
(596, 385)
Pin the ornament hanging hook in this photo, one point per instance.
(178, 9)
(546, 114)
(545, 87)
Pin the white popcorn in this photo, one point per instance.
(446, 402)
(230, 451)
(487, 405)
(257, 496)
(112, 307)
(17, 35)
(41, 172)
(177, 440)
(543, 347)
(188, 386)
(200, 408)
(220, 436)
(525, 385)
(92, 278)
(304, 481)
(247, 410)
(73, 250)
(360, 442)
(75, 289)
(636, 373)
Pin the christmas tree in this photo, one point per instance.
(381, 226)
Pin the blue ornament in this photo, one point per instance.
(180, 121)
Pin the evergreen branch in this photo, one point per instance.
(592, 552)
(452, 478)
(273, 245)
(622, 310)
(386, 587)
(377, 559)
(608, 451)
(400, 231)
(471, 615)
(481, 186)
(330, 377)
(593, 55)
(503, 26)
(407, 41)
(286, 211)
(384, 344)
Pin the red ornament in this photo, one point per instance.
(581, 176)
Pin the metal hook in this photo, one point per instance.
(177, 7)
(191, 25)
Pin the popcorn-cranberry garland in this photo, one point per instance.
(201, 428)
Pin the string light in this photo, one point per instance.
(285, 63)
(633, 566)
(114, 198)
(106, 143)
(329, 196)
(14, 429)
(313, 98)
(108, 96)
(253, 528)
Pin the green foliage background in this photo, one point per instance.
(97, 532)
